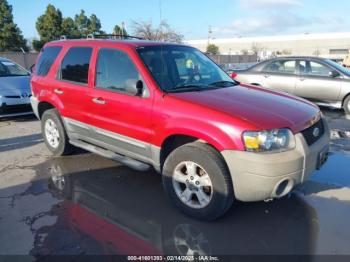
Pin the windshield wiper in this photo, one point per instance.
(223, 83)
(187, 88)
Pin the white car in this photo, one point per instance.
(14, 89)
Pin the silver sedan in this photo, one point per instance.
(14, 89)
(317, 79)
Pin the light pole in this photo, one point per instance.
(209, 34)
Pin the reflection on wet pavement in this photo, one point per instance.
(85, 204)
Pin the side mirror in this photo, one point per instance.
(134, 87)
(334, 74)
(139, 88)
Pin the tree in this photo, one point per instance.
(37, 44)
(82, 23)
(212, 49)
(117, 30)
(161, 33)
(94, 25)
(49, 25)
(244, 52)
(69, 29)
(256, 48)
(11, 38)
(87, 25)
(286, 52)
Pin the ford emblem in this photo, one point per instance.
(316, 132)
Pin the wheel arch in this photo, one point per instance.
(173, 141)
(43, 106)
(345, 97)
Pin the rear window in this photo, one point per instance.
(46, 59)
(281, 66)
(75, 65)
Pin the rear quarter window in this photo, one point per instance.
(46, 59)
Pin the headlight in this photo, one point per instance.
(275, 140)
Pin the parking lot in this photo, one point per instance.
(85, 204)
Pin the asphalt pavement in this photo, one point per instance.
(85, 204)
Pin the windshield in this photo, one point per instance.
(339, 67)
(8, 68)
(182, 68)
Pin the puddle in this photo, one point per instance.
(85, 204)
(335, 171)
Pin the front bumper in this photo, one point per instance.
(10, 106)
(258, 177)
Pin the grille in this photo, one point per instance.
(12, 96)
(308, 133)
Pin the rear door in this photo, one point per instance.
(122, 118)
(280, 75)
(315, 82)
(71, 87)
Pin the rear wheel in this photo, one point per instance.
(54, 134)
(198, 182)
(346, 105)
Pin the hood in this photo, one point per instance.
(262, 108)
(14, 86)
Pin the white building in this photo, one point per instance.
(330, 45)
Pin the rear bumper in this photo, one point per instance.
(257, 177)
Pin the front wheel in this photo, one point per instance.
(346, 105)
(198, 182)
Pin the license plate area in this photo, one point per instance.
(322, 158)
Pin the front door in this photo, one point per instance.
(121, 117)
(315, 82)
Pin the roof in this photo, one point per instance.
(299, 57)
(130, 43)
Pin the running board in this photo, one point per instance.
(132, 163)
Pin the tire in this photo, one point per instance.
(204, 161)
(59, 182)
(346, 105)
(61, 146)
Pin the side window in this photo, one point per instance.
(75, 65)
(282, 66)
(46, 59)
(318, 69)
(115, 71)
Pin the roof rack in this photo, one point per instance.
(104, 36)
(112, 36)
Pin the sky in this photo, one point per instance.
(192, 18)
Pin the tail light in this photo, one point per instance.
(233, 75)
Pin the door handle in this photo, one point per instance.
(266, 76)
(98, 100)
(302, 79)
(58, 91)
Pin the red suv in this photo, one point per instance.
(169, 106)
